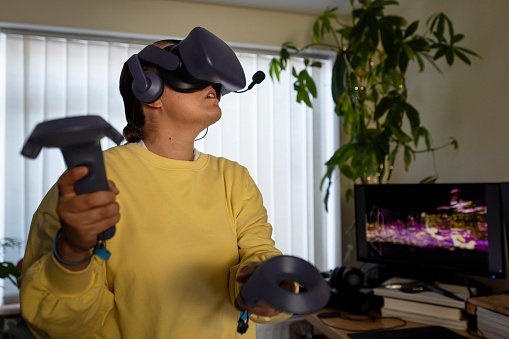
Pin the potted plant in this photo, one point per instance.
(9, 270)
(369, 85)
(18, 329)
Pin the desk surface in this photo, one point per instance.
(338, 328)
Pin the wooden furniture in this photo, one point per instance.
(338, 328)
(10, 311)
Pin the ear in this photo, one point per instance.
(154, 104)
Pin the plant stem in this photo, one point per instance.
(391, 164)
(433, 149)
(12, 281)
(333, 47)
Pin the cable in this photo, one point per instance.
(206, 131)
(476, 333)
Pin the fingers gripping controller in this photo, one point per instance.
(79, 141)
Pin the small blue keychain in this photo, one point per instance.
(243, 323)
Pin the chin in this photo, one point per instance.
(216, 116)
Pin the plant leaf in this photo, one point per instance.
(411, 29)
(449, 55)
(429, 180)
(457, 38)
(339, 76)
(402, 137)
(462, 56)
(274, 69)
(415, 121)
(454, 143)
(427, 139)
(382, 107)
(407, 156)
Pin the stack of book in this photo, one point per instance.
(427, 307)
(492, 315)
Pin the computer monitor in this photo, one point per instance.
(432, 228)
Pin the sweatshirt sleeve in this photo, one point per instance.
(254, 238)
(57, 302)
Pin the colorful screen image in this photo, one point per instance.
(461, 224)
(455, 227)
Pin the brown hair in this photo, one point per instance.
(133, 131)
(135, 118)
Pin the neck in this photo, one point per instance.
(171, 148)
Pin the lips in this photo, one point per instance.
(211, 94)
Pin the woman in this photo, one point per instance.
(190, 229)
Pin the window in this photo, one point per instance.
(283, 144)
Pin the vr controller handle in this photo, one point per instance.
(89, 155)
(79, 141)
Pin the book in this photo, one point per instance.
(460, 324)
(423, 308)
(497, 302)
(429, 297)
(494, 318)
(490, 333)
(492, 315)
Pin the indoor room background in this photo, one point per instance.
(469, 103)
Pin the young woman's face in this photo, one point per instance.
(188, 114)
(196, 110)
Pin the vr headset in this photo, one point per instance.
(198, 61)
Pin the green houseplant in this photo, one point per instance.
(11, 272)
(369, 85)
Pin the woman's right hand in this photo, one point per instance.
(83, 217)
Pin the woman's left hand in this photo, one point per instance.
(261, 308)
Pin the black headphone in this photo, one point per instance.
(147, 85)
(346, 279)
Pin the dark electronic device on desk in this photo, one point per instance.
(79, 140)
(431, 232)
(348, 292)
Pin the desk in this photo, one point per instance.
(352, 326)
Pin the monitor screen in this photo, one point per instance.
(444, 227)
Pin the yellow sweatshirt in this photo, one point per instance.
(186, 229)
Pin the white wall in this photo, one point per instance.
(470, 103)
(161, 18)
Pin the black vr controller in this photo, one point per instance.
(79, 140)
(198, 61)
(265, 285)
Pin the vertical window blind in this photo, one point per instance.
(283, 144)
